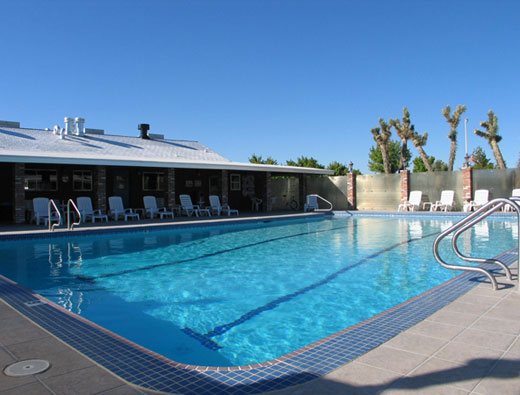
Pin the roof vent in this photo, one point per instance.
(79, 126)
(144, 128)
(9, 124)
(69, 125)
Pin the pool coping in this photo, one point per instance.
(158, 373)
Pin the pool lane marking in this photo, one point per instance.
(205, 339)
(158, 265)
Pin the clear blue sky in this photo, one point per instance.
(276, 78)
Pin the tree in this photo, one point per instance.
(303, 161)
(419, 142)
(339, 168)
(375, 158)
(382, 138)
(454, 122)
(437, 165)
(259, 160)
(404, 131)
(491, 134)
(480, 160)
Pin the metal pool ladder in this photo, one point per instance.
(466, 223)
(51, 206)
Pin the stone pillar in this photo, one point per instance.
(351, 191)
(268, 193)
(100, 185)
(225, 186)
(19, 193)
(467, 184)
(170, 188)
(405, 184)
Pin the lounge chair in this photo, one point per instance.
(84, 204)
(481, 198)
(255, 203)
(412, 203)
(118, 210)
(446, 202)
(41, 211)
(189, 208)
(217, 208)
(515, 193)
(151, 209)
(311, 203)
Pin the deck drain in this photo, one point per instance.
(26, 368)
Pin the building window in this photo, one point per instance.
(82, 180)
(234, 183)
(41, 180)
(153, 181)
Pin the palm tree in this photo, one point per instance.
(382, 138)
(454, 122)
(491, 134)
(404, 131)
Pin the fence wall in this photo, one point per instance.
(334, 189)
(378, 192)
(500, 183)
(432, 184)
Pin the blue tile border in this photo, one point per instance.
(152, 371)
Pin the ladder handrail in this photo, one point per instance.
(325, 200)
(69, 225)
(49, 205)
(467, 222)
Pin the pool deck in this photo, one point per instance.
(471, 346)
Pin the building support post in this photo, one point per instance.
(19, 193)
(170, 192)
(100, 186)
(467, 185)
(351, 191)
(302, 189)
(268, 193)
(405, 184)
(225, 186)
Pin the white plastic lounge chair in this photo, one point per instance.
(481, 198)
(414, 202)
(217, 208)
(189, 208)
(311, 203)
(446, 202)
(117, 209)
(515, 193)
(151, 209)
(41, 211)
(255, 203)
(84, 204)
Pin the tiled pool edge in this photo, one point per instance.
(152, 371)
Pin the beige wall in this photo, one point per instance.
(378, 192)
(432, 184)
(499, 182)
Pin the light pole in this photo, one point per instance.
(466, 157)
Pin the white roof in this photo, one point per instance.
(42, 146)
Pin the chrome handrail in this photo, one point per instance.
(466, 223)
(325, 200)
(51, 225)
(69, 225)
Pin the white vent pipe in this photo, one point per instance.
(69, 125)
(79, 125)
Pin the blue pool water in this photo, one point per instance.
(243, 294)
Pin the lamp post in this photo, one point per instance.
(350, 166)
(466, 157)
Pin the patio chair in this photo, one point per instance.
(41, 211)
(189, 208)
(255, 203)
(84, 204)
(446, 202)
(481, 198)
(118, 210)
(311, 203)
(515, 193)
(150, 207)
(217, 208)
(412, 203)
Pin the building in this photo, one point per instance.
(73, 161)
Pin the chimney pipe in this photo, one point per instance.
(69, 125)
(144, 127)
(80, 125)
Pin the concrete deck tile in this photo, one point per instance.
(322, 387)
(81, 382)
(467, 308)
(439, 371)
(514, 351)
(416, 343)
(496, 341)
(436, 329)
(5, 358)
(453, 318)
(496, 325)
(409, 386)
(125, 390)
(482, 300)
(504, 379)
(392, 359)
(28, 389)
(362, 379)
(19, 329)
(37, 349)
(9, 382)
(460, 352)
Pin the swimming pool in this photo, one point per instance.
(234, 295)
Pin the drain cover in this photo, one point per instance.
(26, 368)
